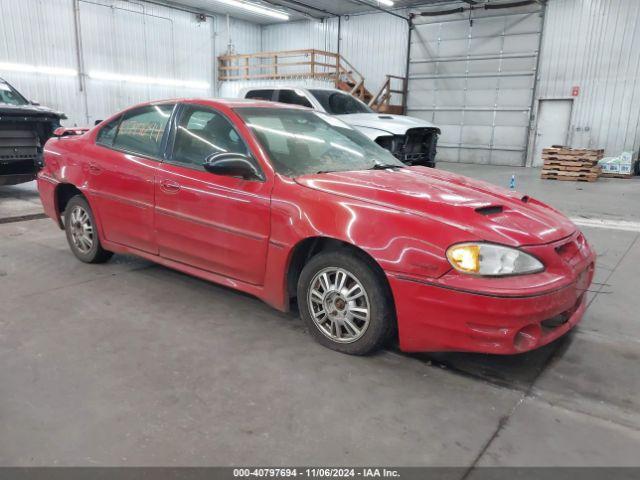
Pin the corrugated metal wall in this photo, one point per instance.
(373, 54)
(376, 45)
(127, 38)
(45, 37)
(301, 35)
(594, 45)
(475, 80)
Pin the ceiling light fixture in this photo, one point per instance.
(21, 67)
(388, 3)
(252, 7)
(166, 82)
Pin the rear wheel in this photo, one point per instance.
(82, 235)
(345, 303)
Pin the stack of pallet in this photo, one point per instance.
(572, 164)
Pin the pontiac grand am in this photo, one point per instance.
(292, 205)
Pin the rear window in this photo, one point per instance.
(293, 97)
(338, 103)
(260, 94)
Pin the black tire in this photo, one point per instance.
(381, 320)
(93, 254)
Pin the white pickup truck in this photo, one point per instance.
(411, 140)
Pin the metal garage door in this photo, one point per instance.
(475, 80)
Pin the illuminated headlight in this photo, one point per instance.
(492, 260)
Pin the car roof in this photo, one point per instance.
(290, 87)
(231, 103)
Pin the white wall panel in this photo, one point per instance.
(128, 38)
(595, 45)
(44, 37)
(301, 35)
(376, 45)
(373, 54)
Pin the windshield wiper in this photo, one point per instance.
(384, 166)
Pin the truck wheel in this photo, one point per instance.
(345, 304)
(82, 234)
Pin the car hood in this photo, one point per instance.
(30, 110)
(390, 124)
(483, 211)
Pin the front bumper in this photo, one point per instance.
(436, 317)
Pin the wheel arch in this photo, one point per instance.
(62, 194)
(305, 249)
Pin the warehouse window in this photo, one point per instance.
(142, 129)
(202, 132)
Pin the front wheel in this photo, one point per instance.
(82, 235)
(345, 303)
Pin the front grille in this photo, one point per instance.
(18, 142)
(416, 147)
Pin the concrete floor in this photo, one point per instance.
(130, 363)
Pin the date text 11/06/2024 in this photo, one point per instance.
(316, 472)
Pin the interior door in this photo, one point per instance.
(213, 222)
(552, 127)
(122, 170)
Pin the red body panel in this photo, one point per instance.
(243, 233)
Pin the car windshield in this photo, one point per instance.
(339, 103)
(301, 142)
(10, 96)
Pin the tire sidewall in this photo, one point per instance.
(382, 318)
(91, 255)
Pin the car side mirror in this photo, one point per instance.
(232, 165)
(35, 104)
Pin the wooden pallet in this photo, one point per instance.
(568, 179)
(560, 150)
(616, 175)
(571, 158)
(572, 168)
(569, 163)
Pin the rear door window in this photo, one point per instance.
(264, 94)
(141, 130)
(292, 97)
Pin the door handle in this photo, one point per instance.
(169, 186)
(93, 168)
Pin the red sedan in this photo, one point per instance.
(290, 204)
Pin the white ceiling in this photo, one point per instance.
(297, 9)
(304, 9)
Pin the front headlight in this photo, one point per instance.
(492, 260)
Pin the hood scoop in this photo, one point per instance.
(490, 210)
(385, 117)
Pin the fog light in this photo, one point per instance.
(527, 338)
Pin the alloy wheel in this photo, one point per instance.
(81, 229)
(339, 305)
